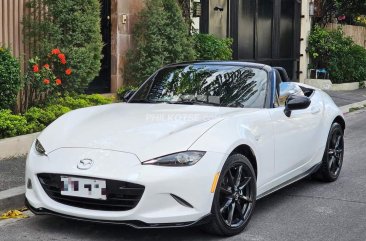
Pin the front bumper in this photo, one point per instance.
(131, 223)
(156, 208)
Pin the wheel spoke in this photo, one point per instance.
(338, 142)
(231, 213)
(334, 139)
(226, 191)
(227, 204)
(238, 207)
(231, 179)
(331, 162)
(238, 176)
(245, 183)
(246, 199)
(339, 161)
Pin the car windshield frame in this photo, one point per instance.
(197, 101)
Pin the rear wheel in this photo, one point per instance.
(234, 198)
(333, 156)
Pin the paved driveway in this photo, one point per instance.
(306, 210)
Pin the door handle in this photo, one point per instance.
(315, 110)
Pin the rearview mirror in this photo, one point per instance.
(128, 95)
(296, 102)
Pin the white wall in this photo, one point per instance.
(305, 31)
(195, 21)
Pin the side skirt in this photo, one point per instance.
(292, 180)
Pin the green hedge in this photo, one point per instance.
(332, 50)
(9, 78)
(123, 90)
(209, 47)
(37, 118)
(12, 125)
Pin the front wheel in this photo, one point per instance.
(235, 197)
(333, 156)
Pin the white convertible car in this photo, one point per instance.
(197, 144)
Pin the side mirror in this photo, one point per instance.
(296, 102)
(128, 95)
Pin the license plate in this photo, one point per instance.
(83, 187)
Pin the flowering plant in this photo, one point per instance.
(47, 76)
(50, 75)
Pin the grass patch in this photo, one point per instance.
(353, 109)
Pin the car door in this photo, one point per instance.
(296, 138)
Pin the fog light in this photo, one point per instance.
(29, 184)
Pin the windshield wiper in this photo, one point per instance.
(143, 101)
(193, 102)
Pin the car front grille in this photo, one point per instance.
(121, 196)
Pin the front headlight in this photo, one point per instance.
(187, 158)
(39, 148)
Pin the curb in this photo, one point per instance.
(346, 109)
(16, 146)
(12, 198)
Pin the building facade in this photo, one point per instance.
(267, 31)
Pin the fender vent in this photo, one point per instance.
(181, 201)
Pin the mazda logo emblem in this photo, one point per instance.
(85, 164)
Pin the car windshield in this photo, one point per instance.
(206, 84)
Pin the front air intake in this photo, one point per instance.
(121, 196)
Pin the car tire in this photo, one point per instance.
(235, 197)
(333, 155)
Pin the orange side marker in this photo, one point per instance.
(214, 184)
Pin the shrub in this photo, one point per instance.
(48, 78)
(330, 49)
(9, 79)
(37, 118)
(96, 99)
(123, 90)
(161, 36)
(12, 125)
(209, 47)
(73, 26)
(82, 101)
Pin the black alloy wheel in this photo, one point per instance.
(333, 155)
(235, 197)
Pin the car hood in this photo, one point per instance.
(146, 130)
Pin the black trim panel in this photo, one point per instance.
(131, 223)
(289, 182)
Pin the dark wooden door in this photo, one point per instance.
(267, 31)
(102, 83)
(264, 31)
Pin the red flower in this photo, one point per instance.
(46, 66)
(58, 82)
(35, 68)
(62, 58)
(342, 17)
(68, 71)
(46, 81)
(56, 51)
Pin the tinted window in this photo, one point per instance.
(221, 85)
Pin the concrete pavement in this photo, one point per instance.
(12, 173)
(342, 98)
(306, 210)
